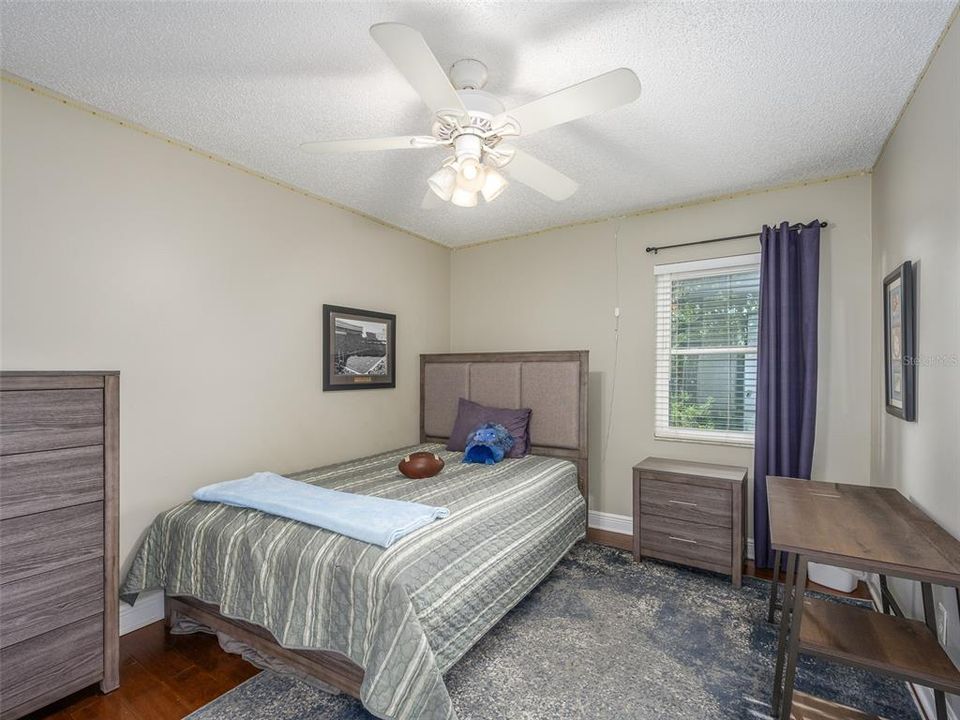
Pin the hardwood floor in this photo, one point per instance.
(165, 677)
(162, 677)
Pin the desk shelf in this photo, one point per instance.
(905, 649)
(808, 707)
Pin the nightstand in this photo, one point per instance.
(691, 513)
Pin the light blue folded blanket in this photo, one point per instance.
(375, 520)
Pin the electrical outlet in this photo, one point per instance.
(942, 624)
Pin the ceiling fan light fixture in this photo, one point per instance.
(462, 197)
(494, 183)
(443, 182)
(470, 122)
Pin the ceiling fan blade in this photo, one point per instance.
(431, 201)
(538, 175)
(610, 90)
(405, 142)
(407, 49)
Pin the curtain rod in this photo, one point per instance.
(657, 248)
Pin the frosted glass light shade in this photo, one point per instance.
(493, 185)
(464, 198)
(443, 182)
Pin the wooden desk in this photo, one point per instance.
(863, 528)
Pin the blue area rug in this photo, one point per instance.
(604, 637)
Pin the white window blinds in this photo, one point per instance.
(707, 322)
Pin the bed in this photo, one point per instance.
(384, 625)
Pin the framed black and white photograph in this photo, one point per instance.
(359, 349)
(899, 340)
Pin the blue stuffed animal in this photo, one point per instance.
(488, 444)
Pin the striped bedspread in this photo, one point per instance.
(406, 613)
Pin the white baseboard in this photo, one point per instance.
(623, 524)
(610, 522)
(148, 609)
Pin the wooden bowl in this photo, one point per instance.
(421, 465)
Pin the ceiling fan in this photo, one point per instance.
(472, 124)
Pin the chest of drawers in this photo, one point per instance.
(59, 471)
(690, 513)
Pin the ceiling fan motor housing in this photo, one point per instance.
(469, 136)
(468, 145)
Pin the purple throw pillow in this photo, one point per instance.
(471, 415)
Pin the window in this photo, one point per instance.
(707, 321)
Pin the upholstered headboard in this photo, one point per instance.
(553, 384)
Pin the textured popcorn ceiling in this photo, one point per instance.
(736, 95)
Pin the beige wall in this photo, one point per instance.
(203, 285)
(916, 217)
(558, 289)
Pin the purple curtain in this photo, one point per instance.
(786, 365)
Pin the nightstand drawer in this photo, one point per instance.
(694, 503)
(668, 537)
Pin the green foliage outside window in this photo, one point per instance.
(688, 414)
(714, 391)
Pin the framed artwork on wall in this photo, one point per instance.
(359, 349)
(899, 343)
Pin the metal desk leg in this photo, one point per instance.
(884, 602)
(774, 585)
(785, 609)
(793, 649)
(930, 618)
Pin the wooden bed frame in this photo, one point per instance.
(337, 670)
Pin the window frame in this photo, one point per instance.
(664, 352)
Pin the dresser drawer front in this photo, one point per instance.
(684, 501)
(35, 667)
(39, 543)
(33, 420)
(44, 602)
(48, 480)
(663, 536)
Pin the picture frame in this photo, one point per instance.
(359, 349)
(899, 343)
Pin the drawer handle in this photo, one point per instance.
(693, 542)
(682, 502)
